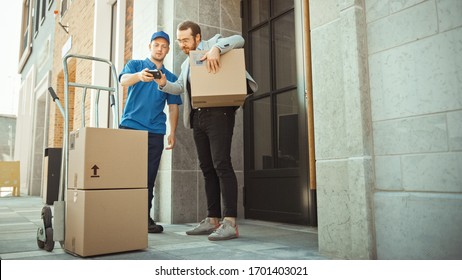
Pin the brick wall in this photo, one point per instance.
(128, 39)
(80, 18)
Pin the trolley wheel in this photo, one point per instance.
(46, 216)
(40, 243)
(49, 242)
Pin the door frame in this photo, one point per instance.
(307, 179)
(304, 7)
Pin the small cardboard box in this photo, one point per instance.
(9, 176)
(105, 158)
(102, 222)
(227, 87)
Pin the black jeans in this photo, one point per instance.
(155, 148)
(213, 132)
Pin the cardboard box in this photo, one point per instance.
(102, 222)
(9, 176)
(227, 87)
(105, 158)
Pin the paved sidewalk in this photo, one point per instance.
(20, 218)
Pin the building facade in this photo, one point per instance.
(36, 49)
(7, 137)
(355, 128)
(387, 105)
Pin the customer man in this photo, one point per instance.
(144, 109)
(212, 130)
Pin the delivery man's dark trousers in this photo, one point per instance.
(213, 133)
(155, 148)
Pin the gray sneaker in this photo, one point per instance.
(203, 228)
(225, 232)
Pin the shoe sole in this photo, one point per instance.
(222, 238)
(156, 229)
(201, 232)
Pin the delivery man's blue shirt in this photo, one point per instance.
(144, 109)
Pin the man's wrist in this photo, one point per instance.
(218, 48)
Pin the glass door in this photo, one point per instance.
(275, 123)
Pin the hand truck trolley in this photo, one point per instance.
(50, 232)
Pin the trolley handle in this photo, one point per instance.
(112, 100)
(113, 91)
(56, 100)
(53, 94)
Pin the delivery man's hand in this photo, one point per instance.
(145, 76)
(171, 142)
(128, 79)
(173, 113)
(213, 59)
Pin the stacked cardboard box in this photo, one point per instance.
(227, 87)
(106, 200)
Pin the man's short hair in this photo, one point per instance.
(195, 28)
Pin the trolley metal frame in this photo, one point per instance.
(49, 233)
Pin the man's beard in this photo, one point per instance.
(192, 48)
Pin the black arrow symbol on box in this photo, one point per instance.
(95, 171)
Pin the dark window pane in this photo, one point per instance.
(287, 125)
(280, 6)
(263, 158)
(259, 10)
(37, 16)
(44, 10)
(261, 59)
(284, 45)
(63, 7)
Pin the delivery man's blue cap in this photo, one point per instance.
(160, 34)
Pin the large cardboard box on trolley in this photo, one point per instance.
(106, 221)
(227, 87)
(105, 158)
(106, 199)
